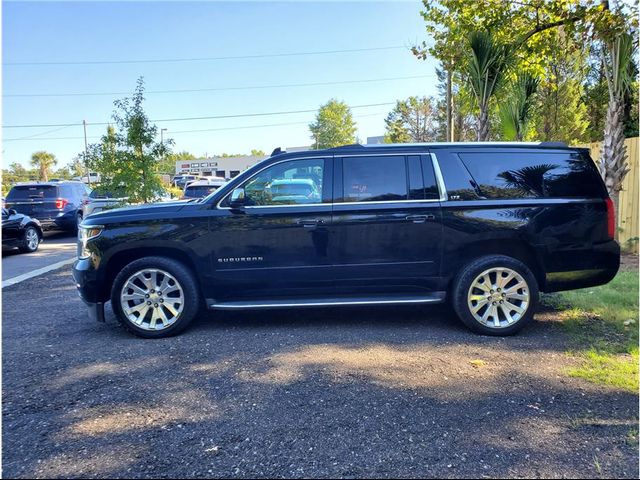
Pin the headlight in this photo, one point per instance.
(86, 233)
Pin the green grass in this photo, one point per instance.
(595, 319)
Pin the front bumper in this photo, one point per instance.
(85, 278)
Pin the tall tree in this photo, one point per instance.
(334, 125)
(485, 71)
(43, 161)
(412, 120)
(618, 55)
(516, 109)
(127, 157)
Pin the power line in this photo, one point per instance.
(213, 117)
(220, 89)
(198, 130)
(202, 59)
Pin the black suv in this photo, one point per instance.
(56, 204)
(485, 225)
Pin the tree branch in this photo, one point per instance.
(547, 26)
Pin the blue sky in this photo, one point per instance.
(116, 31)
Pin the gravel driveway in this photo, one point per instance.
(352, 392)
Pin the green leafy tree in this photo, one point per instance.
(257, 153)
(412, 120)
(167, 164)
(43, 161)
(485, 72)
(618, 56)
(128, 154)
(334, 125)
(516, 110)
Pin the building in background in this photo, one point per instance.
(225, 167)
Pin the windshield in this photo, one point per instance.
(33, 192)
(199, 191)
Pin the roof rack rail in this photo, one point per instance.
(553, 144)
(351, 146)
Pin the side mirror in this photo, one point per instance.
(237, 200)
(13, 211)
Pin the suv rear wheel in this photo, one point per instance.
(155, 297)
(495, 295)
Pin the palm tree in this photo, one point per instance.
(484, 73)
(43, 161)
(516, 111)
(618, 56)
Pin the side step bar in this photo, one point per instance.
(435, 297)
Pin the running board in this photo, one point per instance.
(435, 297)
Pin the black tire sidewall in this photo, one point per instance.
(468, 275)
(181, 273)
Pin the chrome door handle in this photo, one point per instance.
(309, 223)
(420, 218)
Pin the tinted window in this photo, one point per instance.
(504, 175)
(373, 179)
(26, 192)
(458, 182)
(297, 182)
(416, 183)
(431, 191)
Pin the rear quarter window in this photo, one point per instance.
(513, 175)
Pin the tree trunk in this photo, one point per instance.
(483, 124)
(613, 156)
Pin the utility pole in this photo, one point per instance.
(162, 130)
(86, 154)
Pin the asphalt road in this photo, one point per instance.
(56, 247)
(352, 392)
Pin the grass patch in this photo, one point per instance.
(603, 322)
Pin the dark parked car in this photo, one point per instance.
(485, 225)
(20, 231)
(57, 204)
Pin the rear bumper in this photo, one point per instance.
(582, 269)
(66, 221)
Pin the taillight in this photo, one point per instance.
(61, 203)
(611, 219)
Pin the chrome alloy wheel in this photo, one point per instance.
(498, 297)
(31, 238)
(152, 299)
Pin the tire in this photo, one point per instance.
(477, 289)
(140, 319)
(31, 240)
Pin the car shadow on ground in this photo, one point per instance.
(332, 392)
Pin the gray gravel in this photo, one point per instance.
(354, 392)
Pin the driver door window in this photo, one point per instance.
(298, 182)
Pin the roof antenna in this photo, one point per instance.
(278, 151)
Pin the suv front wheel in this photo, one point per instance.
(155, 297)
(495, 295)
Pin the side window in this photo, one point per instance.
(431, 191)
(505, 175)
(297, 182)
(457, 180)
(416, 182)
(373, 179)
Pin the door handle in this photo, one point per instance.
(309, 223)
(420, 218)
